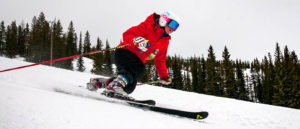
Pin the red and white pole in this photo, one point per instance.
(65, 58)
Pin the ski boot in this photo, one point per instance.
(116, 86)
(96, 83)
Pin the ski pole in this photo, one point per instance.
(65, 58)
(148, 83)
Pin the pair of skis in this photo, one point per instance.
(150, 105)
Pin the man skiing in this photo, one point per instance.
(146, 41)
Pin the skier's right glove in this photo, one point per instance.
(141, 43)
(166, 80)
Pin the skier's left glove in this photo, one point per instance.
(166, 80)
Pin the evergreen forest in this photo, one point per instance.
(274, 80)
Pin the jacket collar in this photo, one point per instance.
(157, 29)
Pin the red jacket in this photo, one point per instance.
(158, 45)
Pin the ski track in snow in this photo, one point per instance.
(32, 98)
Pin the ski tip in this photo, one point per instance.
(201, 115)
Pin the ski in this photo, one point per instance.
(175, 112)
(128, 98)
(150, 105)
(125, 98)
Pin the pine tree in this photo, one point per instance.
(98, 59)
(177, 76)
(227, 75)
(278, 84)
(212, 87)
(296, 80)
(2, 38)
(45, 34)
(11, 40)
(59, 45)
(33, 41)
(26, 40)
(249, 87)
(70, 46)
(39, 49)
(272, 79)
(288, 88)
(195, 74)
(240, 83)
(80, 62)
(87, 43)
(99, 45)
(108, 61)
(294, 102)
(256, 80)
(21, 40)
(267, 79)
(202, 75)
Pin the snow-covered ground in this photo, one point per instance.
(29, 100)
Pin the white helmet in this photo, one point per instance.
(170, 19)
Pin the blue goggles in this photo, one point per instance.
(173, 24)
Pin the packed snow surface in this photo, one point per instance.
(44, 97)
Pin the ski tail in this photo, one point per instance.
(128, 98)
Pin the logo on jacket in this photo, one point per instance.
(156, 51)
(152, 55)
(148, 45)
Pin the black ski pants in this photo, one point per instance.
(130, 65)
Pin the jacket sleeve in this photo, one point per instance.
(160, 61)
(134, 31)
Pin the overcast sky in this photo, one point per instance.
(249, 28)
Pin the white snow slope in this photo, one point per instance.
(28, 100)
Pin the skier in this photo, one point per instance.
(146, 41)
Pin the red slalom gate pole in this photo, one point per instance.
(65, 58)
(46, 62)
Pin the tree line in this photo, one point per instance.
(45, 40)
(270, 81)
